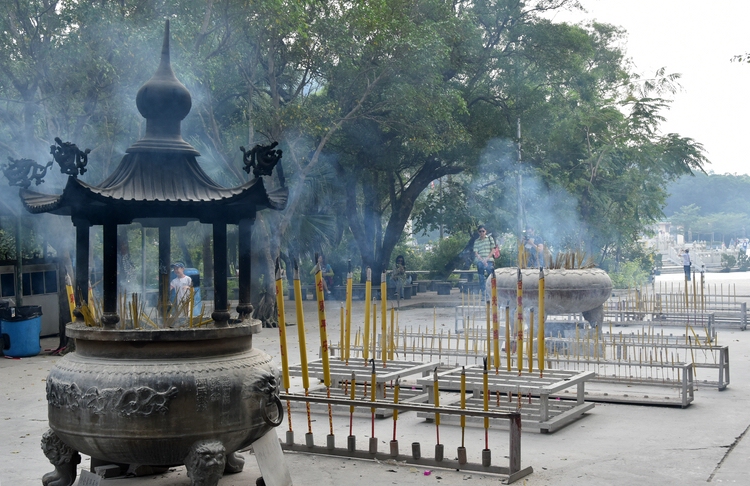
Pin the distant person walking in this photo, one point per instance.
(686, 263)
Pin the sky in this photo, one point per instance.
(696, 38)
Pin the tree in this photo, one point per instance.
(432, 121)
(372, 103)
(595, 166)
(686, 218)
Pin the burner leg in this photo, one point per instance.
(205, 463)
(63, 457)
(234, 463)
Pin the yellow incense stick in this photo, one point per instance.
(301, 327)
(282, 327)
(384, 318)
(391, 344)
(436, 396)
(507, 336)
(348, 331)
(540, 345)
(366, 334)
(374, 331)
(519, 319)
(486, 396)
(489, 326)
(531, 340)
(71, 298)
(323, 330)
(495, 325)
(463, 396)
(373, 383)
(342, 348)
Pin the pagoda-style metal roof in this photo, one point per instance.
(159, 177)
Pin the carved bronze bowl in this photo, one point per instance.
(147, 396)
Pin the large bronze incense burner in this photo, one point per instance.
(149, 396)
(566, 291)
(174, 393)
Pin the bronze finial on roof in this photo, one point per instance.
(163, 101)
(160, 178)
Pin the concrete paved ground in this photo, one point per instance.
(611, 445)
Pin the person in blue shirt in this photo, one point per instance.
(686, 263)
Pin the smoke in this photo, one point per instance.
(91, 102)
(545, 205)
(553, 212)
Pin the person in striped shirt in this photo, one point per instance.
(483, 253)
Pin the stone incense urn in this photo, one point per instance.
(160, 397)
(566, 291)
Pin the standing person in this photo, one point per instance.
(534, 247)
(326, 273)
(398, 276)
(686, 263)
(181, 283)
(483, 253)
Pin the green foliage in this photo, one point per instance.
(720, 213)
(720, 227)
(728, 261)
(32, 243)
(712, 193)
(7, 245)
(658, 260)
(633, 259)
(743, 262)
(630, 275)
(508, 251)
(371, 102)
(444, 252)
(416, 258)
(685, 218)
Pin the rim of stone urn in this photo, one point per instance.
(84, 332)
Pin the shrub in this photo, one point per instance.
(728, 261)
(631, 274)
(445, 251)
(743, 262)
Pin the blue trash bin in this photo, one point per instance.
(20, 328)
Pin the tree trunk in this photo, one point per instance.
(376, 245)
(463, 256)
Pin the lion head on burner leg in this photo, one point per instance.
(63, 457)
(205, 463)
